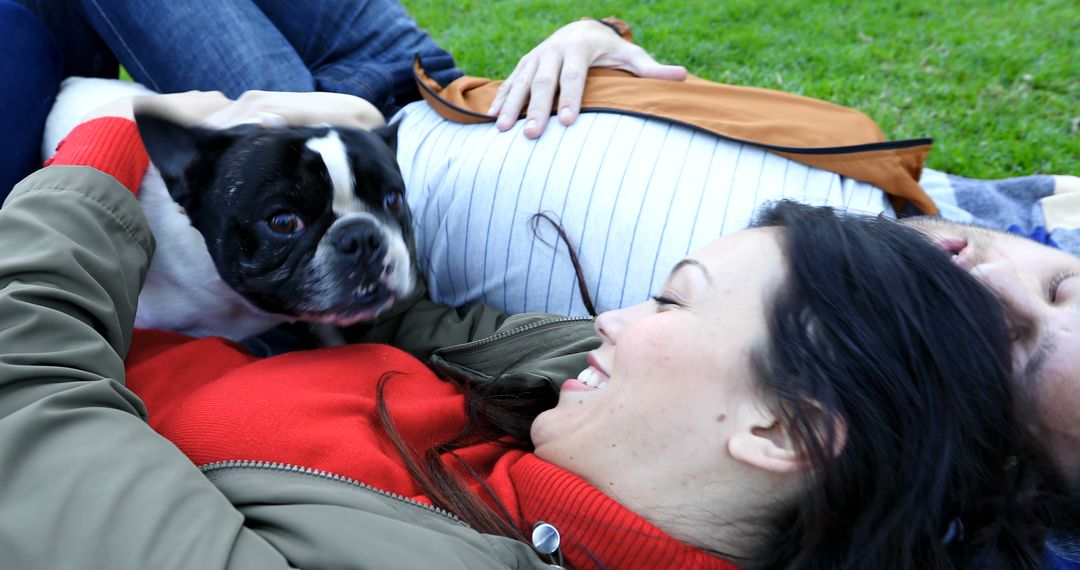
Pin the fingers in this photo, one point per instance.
(561, 63)
(517, 93)
(640, 63)
(536, 79)
(188, 108)
(504, 89)
(279, 109)
(571, 87)
(665, 72)
(542, 93)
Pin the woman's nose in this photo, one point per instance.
(610, 324)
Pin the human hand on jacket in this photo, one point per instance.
(560, 63)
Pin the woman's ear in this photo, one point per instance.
(764, 442)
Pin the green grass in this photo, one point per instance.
(995, 83)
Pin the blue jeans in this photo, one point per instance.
(30, 72)
(359, 47)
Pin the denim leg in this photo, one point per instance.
(30, 75)
(225, 45)
(361, 47)
(82, 51)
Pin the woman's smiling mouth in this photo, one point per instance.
(594, 376)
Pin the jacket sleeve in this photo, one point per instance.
(420, 326)
(482, 344)
(84, 481)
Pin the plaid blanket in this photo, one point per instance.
(1045, 208)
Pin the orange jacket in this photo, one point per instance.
(809, 131)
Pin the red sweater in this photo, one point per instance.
(317, 409)
(109, 144)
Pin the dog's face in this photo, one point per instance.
(306, 222)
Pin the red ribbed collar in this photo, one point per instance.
(596, 531)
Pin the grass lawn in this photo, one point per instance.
(995, 83)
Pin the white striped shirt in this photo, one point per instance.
(634, 195)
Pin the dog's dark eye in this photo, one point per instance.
(393, 202)
(285, 223)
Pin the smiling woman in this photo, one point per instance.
(819, 392)
(816, 392)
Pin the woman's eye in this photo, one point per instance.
(663, 302)
(393, 202)
(285, 223)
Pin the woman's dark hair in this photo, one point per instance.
(880, 348)
(876, 328)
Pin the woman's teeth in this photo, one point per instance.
(593, 378)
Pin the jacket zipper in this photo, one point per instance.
(289, 468)
(507, 333)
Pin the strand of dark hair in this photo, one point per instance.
(579, 273)
(438, 483)
(492, 418)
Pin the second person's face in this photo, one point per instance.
(1040, 287)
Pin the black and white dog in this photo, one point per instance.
(255, 226)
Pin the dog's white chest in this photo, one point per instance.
(184, 292)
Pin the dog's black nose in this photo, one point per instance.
(360, 241)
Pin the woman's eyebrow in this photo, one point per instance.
(693, 263)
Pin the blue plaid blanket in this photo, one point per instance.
(1044, 208)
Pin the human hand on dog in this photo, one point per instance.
(560, 63)
(190, 107)
(280, 109)
(269, 109)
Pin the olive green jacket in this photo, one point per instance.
(85, 483)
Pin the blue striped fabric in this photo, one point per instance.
(634, 195)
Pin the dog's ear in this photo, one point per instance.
(389, 134)
(186, 156)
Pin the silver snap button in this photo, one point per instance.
(545, 538)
